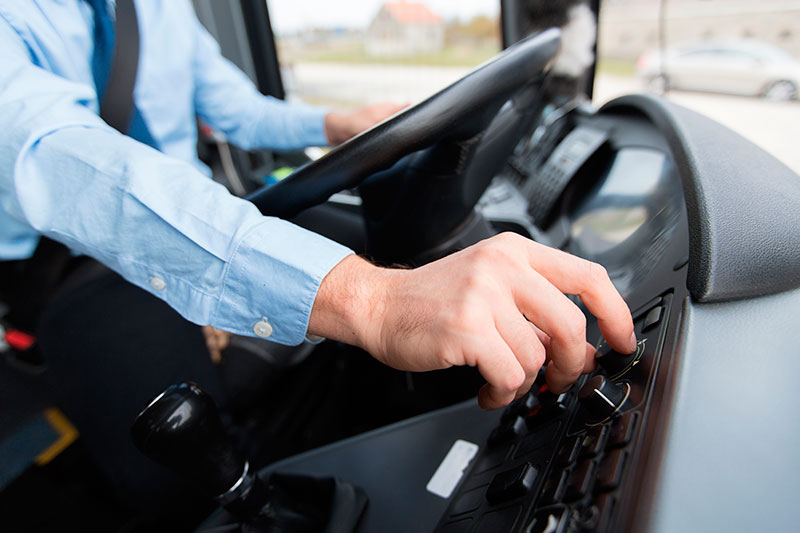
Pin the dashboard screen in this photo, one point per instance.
(625, 220)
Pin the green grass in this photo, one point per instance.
(617, 67)
(457, 56)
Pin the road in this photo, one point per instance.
(771, 125)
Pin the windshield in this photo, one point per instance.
(349, 53)
(734, 61)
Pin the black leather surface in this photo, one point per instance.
(743, 205)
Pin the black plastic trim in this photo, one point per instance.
(743, 205)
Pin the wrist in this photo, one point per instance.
(336, 128)
(351, 302)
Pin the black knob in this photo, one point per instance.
(603, 398)
(616, 364)
(181, 429)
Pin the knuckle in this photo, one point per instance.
(508, 238)
(513, 380)
(596, 273)
(481, 255)
(466, 318)
(573, 329)
(538, 357)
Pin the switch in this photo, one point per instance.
(581, 481)
(653, 318)
(512, 483)
(507, 431)
(622, 430)
(611, 470)
(594, 441)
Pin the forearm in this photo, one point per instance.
(228, 101)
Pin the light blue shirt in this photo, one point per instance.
(153, 217)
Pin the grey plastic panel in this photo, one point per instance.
(743, 205)
(394, 464)
(731, 457)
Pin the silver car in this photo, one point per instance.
(745, 67)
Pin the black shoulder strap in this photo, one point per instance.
(117, 106)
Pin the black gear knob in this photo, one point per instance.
(181, 429)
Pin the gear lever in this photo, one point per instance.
(181, 429)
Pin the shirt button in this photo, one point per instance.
(157, 283)
(262, 328)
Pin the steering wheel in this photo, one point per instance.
(458, 112)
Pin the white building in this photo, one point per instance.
(404, 29)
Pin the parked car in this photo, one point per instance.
(746, 67)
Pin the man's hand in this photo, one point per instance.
(216, 342)
(341, 126)
(498, 305)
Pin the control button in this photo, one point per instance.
(622, 430)
(551, 406)
(157, 283)
(585, 519)
(555, 487)
(615, 363)
(498, 520)
(538, 440)
(594, 441)
(602, 397)
(569, 450)
(551, 520)
(580, 483)
(521, 407)
(605, 506)
(610, 473)
(507, 431)
(512, 483)
(653, 318)
(262, 328)
(469, 501)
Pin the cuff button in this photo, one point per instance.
(262, 328)
(157, 283)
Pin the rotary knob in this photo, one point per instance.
(602, 397)
(617, 364)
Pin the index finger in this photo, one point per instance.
(573, 275)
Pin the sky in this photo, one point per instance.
(291, 15)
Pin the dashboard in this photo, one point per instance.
(694, 431)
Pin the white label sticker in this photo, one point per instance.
(449, 473)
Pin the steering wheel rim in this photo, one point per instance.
(458, 111)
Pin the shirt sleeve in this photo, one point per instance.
(155, 220)
(227, 99)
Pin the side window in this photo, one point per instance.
(349, 53)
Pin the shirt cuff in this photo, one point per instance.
(272, 279)
(311, 121)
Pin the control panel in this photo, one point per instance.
(557, 462)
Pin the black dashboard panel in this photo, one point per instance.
(624, 208)
(743, 204)
(633, 197)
